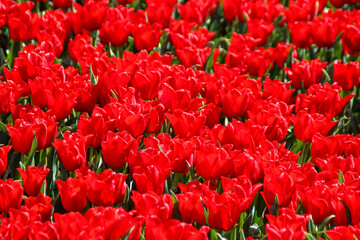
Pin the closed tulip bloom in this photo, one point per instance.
(24, 26)
(41, 204)
(152, 204)
(146, 36)
(102, 189)
(11, 195)
(116, 148)
(212, 162)
(115, 32)
(21, 135)
(33, 179)
(347, 75)
(71, 150)
(306, 73)
(307, 125)
(92, 14)
(235, 102)
(72, 194)
(4, 151)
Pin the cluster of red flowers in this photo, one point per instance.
(196, 120)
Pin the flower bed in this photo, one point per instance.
(199, 119)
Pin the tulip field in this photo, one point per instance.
(179, 119)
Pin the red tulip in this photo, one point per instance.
(350, 38)
(146, 36)
(103, 189)
(93, 128)
(153, 204)
(323, 31)
(71, 150)
(116, 148)
(42, 205)
(159, 13)
(307, 125)
(23, 25)
(323, 99)
(318, 201)
(235, 102)
(346, 75)
(9, 94)
(212, 162)
(186, 124)
(234, 9)
(21, 136)
(92, 14)
(155, 228)
(11, 195)
(4, 151)
(73, 194)
(300, 34)
(64, 4)
(306, 73)
(288, 225)
(115, 32)
(33, 179)
(277, 182)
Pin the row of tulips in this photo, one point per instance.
(228, 119)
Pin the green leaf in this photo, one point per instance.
(341, 177)
(66, 128)
(206, 211)
(326, 74)
(309, 236)
(288, 60)
(31, 154)
(191, 171)
(325, 222)
(348, 214)
(126, 236)
(113, 94)
(93, 79)
(174, 198)
(220, 237)
(274, 210)
(268, 69)
(2, 127)
(254, 230)
(311, 226)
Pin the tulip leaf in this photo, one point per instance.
(325, 222)
(309, 236)
(326, 74)
(191, 171)
(126, 236)
(2, 127)
(219, 236)
(274, 210)
(254, 230)
(348, 214)
(31, 154)
(110, 51)
(51, 177)
(206, 211)
(268, 69)
(311, 226)
(113, 94)
(66, 128)
(93, 79)
(174, 198)
(288, 60)
(341, 177)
